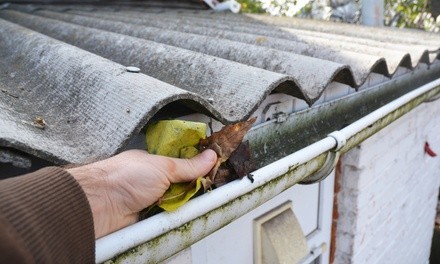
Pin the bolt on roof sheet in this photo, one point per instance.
(67, 65)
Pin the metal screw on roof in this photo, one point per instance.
(133, 69)
(211, 100)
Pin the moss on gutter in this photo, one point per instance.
(388, 119)
(273, 141)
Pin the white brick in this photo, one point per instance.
(347, 222)
(351, 181)
(389, 190)
(344, 244)
(341, 257)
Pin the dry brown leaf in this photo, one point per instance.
(239, 164)
(223, 176)
(224, 143)
(241, 160)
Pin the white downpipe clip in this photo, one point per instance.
(340, 138)
(331, 161)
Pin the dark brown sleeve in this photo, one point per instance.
(45, 217)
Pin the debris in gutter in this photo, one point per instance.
(175, 138)
(184, 139)
(225, 142)
(239, 164)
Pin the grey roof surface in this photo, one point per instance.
(67, 64)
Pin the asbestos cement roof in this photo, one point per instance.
(66, 95)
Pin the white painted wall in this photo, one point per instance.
(389, 190)
(312, 205)
(234, 242)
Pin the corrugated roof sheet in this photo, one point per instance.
(67, 65)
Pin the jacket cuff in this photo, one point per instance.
(51, 214)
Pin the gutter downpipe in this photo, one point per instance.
(207, 213)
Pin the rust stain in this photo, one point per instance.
(335, 216)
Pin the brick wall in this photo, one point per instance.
(388, 192)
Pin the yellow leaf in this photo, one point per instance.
(178, 194)
(168, 137)
(188, 152)
(176, 138)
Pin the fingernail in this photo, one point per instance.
(209, 155)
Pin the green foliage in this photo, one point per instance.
(251, 6)
(398, 13)
(283, 7)
(410, 14)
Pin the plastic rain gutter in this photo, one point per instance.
(160, 236)
(365, 122)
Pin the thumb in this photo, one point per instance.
(190, 169)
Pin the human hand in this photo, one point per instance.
(119, 187)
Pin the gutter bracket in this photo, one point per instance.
(331, 161)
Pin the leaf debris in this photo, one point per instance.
(184, 139)
(39, 122)
(224, 143)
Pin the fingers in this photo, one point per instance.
(170, 169)
(185, 170)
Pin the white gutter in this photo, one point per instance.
(138, 233)
(369, 119)
(148, 229)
